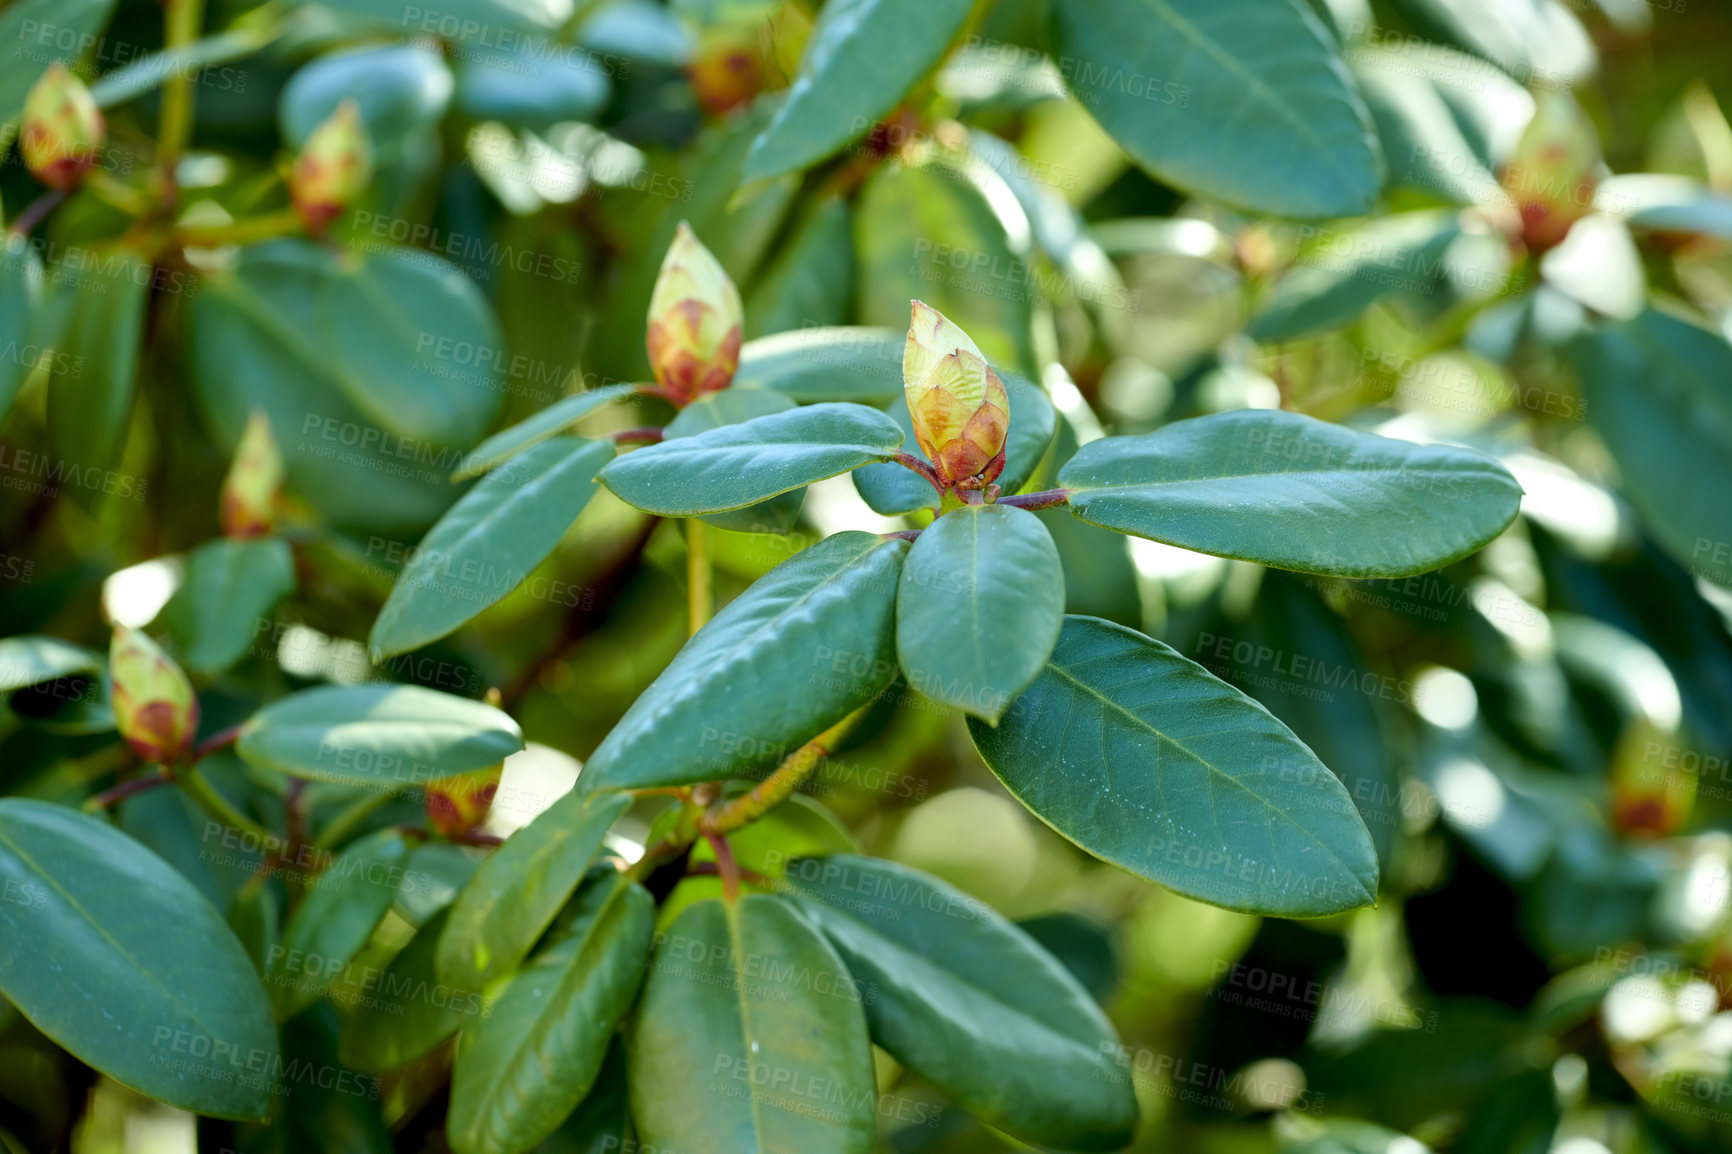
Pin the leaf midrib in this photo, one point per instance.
(1215, 771)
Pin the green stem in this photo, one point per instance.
(700, 598)
(241, 231)
(344, 823)
(181, 25)
(781, 784)
(216, 805)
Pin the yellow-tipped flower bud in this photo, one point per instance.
(456, 805)
(960, 412)
(154, 706)
(333, 168)
(249, 499)
(1552, 176)
(696, 322)
(62, 131)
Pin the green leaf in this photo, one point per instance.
(891, 489)
(1293, 492)
(36, 33)
(732, 406)
(857, 364)
(972, 1003)
(1243, 101)
(344, 905)
(810, 641)
(555, 419)
(744, 1001)
(1346, 272)
(862, 58)
(930, 234)
(1656, 392)
(231, 587)
(527, 1065)
(738, 465)
(519, 889)
(980, 605)
(409, 1011)
(1524, 37)
(118, 959)
(31, 660)
(355, 361)
(488, 543)
(91, 379)
(379, 736)
(1342, 726)
(20, 309)
(808, 281)
(1145, 759)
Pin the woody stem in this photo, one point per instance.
(781, 784)
(910, 461)
(1045, 499)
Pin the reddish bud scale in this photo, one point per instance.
(155, 708)
(62, 129)
(696, 323)
(958, 405)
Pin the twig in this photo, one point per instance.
(34, 212)
(126, 789)
(1045, 499)
(642, 435)
(910, 461)
(777, 788)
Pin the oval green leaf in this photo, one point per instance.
(119, 959)
(732, 406)
(378, 736)
(528, 1064)
(344, 905)
(841, 363)
(1656, 391)
(409, 1011)
(519, 889)
(808, 642)
(91, 378)
(979, 608)
(863, 57)
(1296, 493)
(744, 998)
(1243, 101)
(1147, 760)
(488, 542)
(734, 466)
(1346, 272)
(972, 1003)
(555, 419)
(31, 660)
(231, 588)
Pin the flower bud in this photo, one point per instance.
(255, 478)
(1552, 176)
(696, 322)
(154, 706)
(1652, 793)
(333, 168)
(62, 129)
(728, 69)
(957, 402)
(456, 805)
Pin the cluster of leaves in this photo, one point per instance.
(1209, 590)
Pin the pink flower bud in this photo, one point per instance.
(696, 322)
(250, 490)
(958, 404)
(154, 705)
(62, 131)
(332, 169)
(1552, 175)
